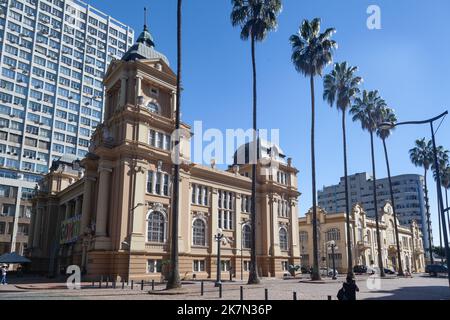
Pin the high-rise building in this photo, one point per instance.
(53, 56)
(408, 195)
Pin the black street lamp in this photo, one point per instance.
(219, 237)
(438, 178)
(332, 244)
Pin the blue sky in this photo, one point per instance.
(407, 61)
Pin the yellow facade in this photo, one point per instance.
(364, 248)
(119, 199)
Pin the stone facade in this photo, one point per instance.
(111, 213)
(332, 227)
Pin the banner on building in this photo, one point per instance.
(70, 230)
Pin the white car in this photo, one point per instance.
(327, 272)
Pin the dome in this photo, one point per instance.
(267, 150)
(144, 48)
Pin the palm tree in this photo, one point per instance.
(445, 180)
(388, 116)
(442, 157)
(312, 51)
(174, 281)
(340, 88)
(422, 156)
(367, 110)
(256, 18)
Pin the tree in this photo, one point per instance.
(256, 19)
(442, 157)
(312, 51)
(387, 115)
(340, 88)
(422, 156)
(174, 281)
(367, 110)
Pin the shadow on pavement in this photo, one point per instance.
(415, 293)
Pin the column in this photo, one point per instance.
(78, 204)
(36, 225)
(67, 213)
(87, 204)
(102, 203)
(275, 238)
(16, 220)
(214, 220)
(123, 92)
(139, 90)
(295, 233)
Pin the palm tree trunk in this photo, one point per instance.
(448, 212)
(375, 203)
(427, 207)
(253, 275)
(440, 227)
(316, 273)
(394, 210)
(174, 275)
(347, 200)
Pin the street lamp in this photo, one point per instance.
(388, 125)
(219, 237)
(333, 246)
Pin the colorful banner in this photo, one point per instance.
(70, 230)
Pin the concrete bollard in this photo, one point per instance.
(123, 284)
(132, 284)
(220, 291)
(142, 285)
(329, 298)
(153, 285)
(295, 296)
(266, 294)
(242, 293)
(202, 288)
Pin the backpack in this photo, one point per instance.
(341, 295)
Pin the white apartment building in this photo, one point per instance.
(53, 57)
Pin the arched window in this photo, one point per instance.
(246, 236)
(284, 245)
(390, 233)
(333, 234)
(199, 233)
(156, 223)
(368, 237)
(303, 237)
(153, 107)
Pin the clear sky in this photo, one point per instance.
(407, 61)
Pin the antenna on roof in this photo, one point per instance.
(145, 18)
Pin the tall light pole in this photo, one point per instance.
(438, 178)
(219, 237)
(332, 244)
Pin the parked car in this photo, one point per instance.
(389, 271)
(360, 269)
(434, 269)
(305, 270)
(327, 272)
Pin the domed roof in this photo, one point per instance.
(267, 150)
(144, 48)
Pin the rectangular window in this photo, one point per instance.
(199, 266)
(150, 182)
(158, 183)
(154, 266)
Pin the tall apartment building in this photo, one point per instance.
(53, 56)
(408, 193)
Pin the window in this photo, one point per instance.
(284, 245)
(154, 266)
(246, 204)
(200, 195)
(247, 265)
(158, 183)
(199, 233)
(155, 227)
(246, 237)
(333, 235)
(225, 266)
(153, 107)
(284, 265)
(199, 266)
(226, 210)
(303, 237)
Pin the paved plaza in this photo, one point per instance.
(420, 287)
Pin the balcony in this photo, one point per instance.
(363, 245)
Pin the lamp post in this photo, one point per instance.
(332, 245)
(438, 178)
(219, 237)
